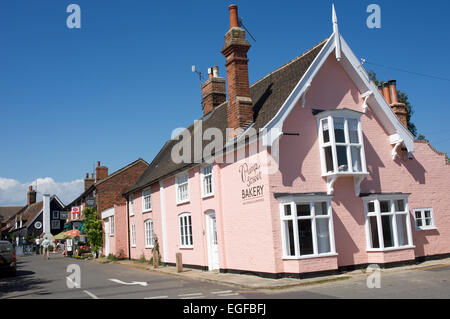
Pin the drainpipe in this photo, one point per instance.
(128, 229)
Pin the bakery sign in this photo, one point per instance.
(251, 177)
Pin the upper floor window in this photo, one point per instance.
(146, 201)
(424, 218)
(341, 142)
(182, 183)
(307, 227)
(149, 237)
(207, 180)
(387, 222)
(55, 214)
(131, 205)
(111, 226)
(186, 240)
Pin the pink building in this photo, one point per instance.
(333, 180)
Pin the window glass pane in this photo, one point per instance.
(419, 223)
(353, 130)
(287, 210)
(418, 214)
(290, 244)
(323, 236)
(427, 214)
(305, 237)
(342, 158)
(399, 205)
(326, 131)
(339, 130)
(329, 159)
(191, 242)
(401, 230)
(428, 222)
(182, 230)
(385, 206)
(303, 210)
(374, 232)
(371, 207)
(320, 208)
(386, 224)
(356, 158)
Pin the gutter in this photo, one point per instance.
(128, 229)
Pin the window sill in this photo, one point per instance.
(338, 174)
(207, 196)
(378, 250)
(426, 228)
(111, 235)
(309, 256)
(133, 246)
(147, 211)
(182, 203)
(149, 247)
(187, 247)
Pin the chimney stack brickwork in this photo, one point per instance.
(31, 196)
(101, 172)
(240, 105)
(214, 91)
(88, 182)
(389, 91)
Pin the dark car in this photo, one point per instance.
(7, 258)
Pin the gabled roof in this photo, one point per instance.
(268, 95)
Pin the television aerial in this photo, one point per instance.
(241, 24)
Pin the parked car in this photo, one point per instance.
(7, 258)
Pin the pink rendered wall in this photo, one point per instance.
(120, 239)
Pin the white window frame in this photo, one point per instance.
(149, 234)
(131, 205)
(133, 234)
(146, 194)
(185, 230)
(204, 176)
(55, 214)
(346, 115)
(423, 219)
(111, 226)
(293, 201)
(376, 199)
(54, 223)
(179, 181)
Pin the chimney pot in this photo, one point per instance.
(215, 71)
(98, 164)
(386, 93)
(31, 196)
(234, 23)
(393, 91)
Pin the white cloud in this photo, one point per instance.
(13, 193)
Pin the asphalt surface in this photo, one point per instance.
(40, 278)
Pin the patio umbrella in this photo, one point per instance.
(74, 233)
(60, 236)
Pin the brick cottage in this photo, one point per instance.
(332, 180)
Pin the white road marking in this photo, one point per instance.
(191, 295)
(221, 292)
(90, 294)
(142, 283)
(157, 297)
(196, 297)
(227, 295)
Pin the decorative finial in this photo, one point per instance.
(336, 33)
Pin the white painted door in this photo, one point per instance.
(106, 237)
(213, 249)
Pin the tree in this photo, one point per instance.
(93, 229)
(402, 98)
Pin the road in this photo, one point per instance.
(40, 278)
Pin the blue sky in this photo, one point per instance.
(115, 89)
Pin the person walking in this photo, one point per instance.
(38, 244)
(45, 245)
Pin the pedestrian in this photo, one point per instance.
(45, 245)
(38, 243)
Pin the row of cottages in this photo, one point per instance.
(332, 180)
(102, 192)
(32, 220)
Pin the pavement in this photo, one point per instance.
(259, 283)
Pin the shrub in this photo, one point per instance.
(111, 257)
(121, 255)
(142, 258)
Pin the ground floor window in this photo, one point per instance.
(149, 238)
(307, 227)
(387, 222)
(133, 234)
(186, 240)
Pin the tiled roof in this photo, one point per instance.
(268, 95)
(8, 212)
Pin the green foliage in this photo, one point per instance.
(112, 257)
(121, 255)
(30, 237)
(142, 258)
(93, 229)
(421, 137)
(402, 98)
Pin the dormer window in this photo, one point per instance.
(341, 145)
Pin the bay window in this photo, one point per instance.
(387, 222)
(307, 227)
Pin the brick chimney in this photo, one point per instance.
(31, 196)
(386, 93)
(101, 172)
(214, 90)
(398, 108)
(88, 182)
(240, 105)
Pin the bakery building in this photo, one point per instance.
(332, 179)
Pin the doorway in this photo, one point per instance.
(211, 239)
